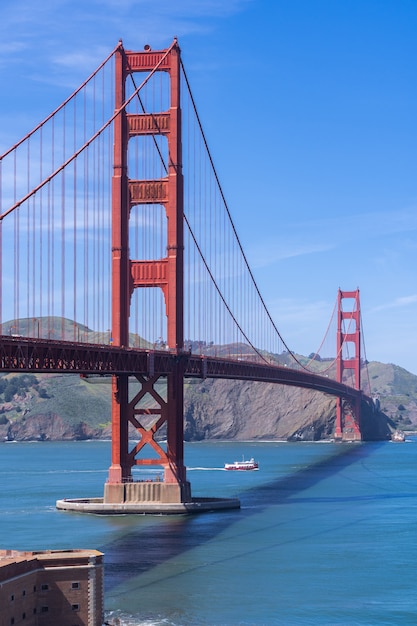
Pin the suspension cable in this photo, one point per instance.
(232, 224)
(61, 106)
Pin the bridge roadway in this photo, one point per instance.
(20, 354)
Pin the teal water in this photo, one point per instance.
(327, 534)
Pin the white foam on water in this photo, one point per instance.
(119, 619)
(205, 469)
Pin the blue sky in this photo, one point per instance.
(310, 112)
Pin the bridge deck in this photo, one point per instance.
(19, 354)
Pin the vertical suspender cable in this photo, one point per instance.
(1, 247)
(30, 253)
(62, 246)
(53, 247)
(41, 260)
(74, 223)
(16, 252)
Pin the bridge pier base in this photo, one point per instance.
(155, 492)
(97, 506)
(147, 498)
(142, 498)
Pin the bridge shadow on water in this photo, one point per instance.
(148, 541)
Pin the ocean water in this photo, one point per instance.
(327, 533)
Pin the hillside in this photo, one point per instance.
(57, 406)
(396, 389)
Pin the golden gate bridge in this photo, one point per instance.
(119, 257)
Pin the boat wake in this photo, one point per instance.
(205, 469)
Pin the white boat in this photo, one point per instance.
(398, 436)
(242, 465)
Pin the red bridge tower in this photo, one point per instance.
(164, 273)
(347, 426)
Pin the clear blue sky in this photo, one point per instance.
(310, 111)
